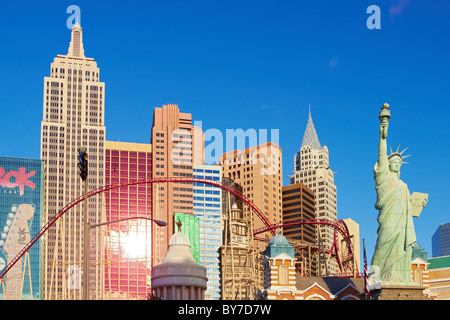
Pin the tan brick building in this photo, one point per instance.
(177, 146)
(259, 171)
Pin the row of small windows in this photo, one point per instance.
(199, 184)
(55, 95)
(62, 72)
(310, 235)
(298, 196)
(207, 171)
(298, 203)
(207, 191)
(197, 210)
(54, 129)
(209, 215)
(207, 177)
(207, 199)
(211, 205)
(54, 84)
(325, 208)
(209, 229)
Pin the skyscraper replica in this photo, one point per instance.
(128, 246)
(258, 170)
(208, 209)
(298, 204)
(177, 146)
(312, 168)
(73, 117)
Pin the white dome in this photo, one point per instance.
(179, 250)
(179, 238)
(179, 276)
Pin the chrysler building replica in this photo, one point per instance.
(312, 168)
(73, 117)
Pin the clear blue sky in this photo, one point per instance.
(255, 64)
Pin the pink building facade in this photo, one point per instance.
(128, 256)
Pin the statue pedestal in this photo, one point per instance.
(398, 292)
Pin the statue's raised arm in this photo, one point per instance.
(384, 116)
(395, 233)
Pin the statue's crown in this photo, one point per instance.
(398, 154)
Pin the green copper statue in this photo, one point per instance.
(395, 234)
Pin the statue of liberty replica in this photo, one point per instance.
(396, 206)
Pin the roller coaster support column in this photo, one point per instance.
(83, 166)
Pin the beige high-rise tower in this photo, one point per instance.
(73, 117)
(258, 170)
(177, 146)
(312, 168)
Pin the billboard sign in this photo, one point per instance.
(21, 194)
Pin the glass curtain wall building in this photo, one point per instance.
(440, 242)
(208, 208)
(128, 246)
(21, 196)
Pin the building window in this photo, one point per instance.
(282, 271)
(418, 276)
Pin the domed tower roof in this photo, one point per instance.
(179, 250)
(179, 238)
(179, 276)
(279, 244)
(279, 240)
(418, 252)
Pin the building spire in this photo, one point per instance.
(310, 137)
(76, 44)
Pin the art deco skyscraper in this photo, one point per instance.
(312, 168)
(73, 117)
(177, 146)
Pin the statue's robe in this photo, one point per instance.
(395, 234)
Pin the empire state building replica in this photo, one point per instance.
(73, 117)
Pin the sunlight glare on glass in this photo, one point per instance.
(135, 245)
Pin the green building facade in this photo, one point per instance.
(190, 226)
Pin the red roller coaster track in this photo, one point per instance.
(129, 183)
(340, 225)
(348, 265)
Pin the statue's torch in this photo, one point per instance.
(384, 116)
